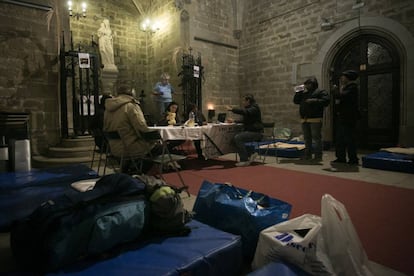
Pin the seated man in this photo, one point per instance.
(123, 113)
(252, 128)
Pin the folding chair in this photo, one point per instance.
(268, 137)
(110, 158)
(100, 151)
(164, 159)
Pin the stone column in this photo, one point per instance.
(109, 78)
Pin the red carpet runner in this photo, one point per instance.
(383, 216)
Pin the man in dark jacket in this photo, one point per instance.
(253, 128)
(312, 102)
(346, 116)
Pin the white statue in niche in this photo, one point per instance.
(106, 45)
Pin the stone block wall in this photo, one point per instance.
(29, 70)
(281, 40)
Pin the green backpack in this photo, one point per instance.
(168, 217)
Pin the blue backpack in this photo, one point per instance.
(81, 224)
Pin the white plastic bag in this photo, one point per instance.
(296, 241)
(341, 241)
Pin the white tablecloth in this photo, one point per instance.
(216, 139)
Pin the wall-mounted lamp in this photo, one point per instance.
(77, 14)
(358, 5)
(149, 26)
(326, 25)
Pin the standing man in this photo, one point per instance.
(253, 128)
(163, 91)
(346, 117)
(312, 102)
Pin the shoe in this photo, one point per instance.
(173, 165)
(201, 157)
(338, 161)
(353, 162)
(253, 157)
(243, 164)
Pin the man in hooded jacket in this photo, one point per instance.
(124, 115)
(346, 116)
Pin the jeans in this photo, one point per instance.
(162, 107)
(312, 132)
(243, 137)
(345, 142)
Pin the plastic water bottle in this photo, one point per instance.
(191, 119)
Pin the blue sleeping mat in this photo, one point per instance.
(22, 192)
(288, 153)
(389, 161)
(205, 251)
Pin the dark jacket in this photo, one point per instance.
(346, 104)
(252, 117)
(313, 109)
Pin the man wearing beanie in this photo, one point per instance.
(346, 117)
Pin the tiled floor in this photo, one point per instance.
(397, 179)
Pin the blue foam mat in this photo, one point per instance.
(22, 192)
(389, 161)
(205, 251)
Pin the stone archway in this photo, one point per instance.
(403, 42)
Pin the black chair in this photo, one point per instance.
(101, 150)
(163, 160)
(267, 138)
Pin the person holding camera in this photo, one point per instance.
(312, 101)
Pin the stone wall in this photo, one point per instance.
(280, 42)
(280, 45)
(210, 33)
(29, 69)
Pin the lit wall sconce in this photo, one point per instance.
(149, 26)
(326, 25)
(77, 14)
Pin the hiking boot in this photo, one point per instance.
(243, 164)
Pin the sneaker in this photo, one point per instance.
(253, 157)
(243, 164)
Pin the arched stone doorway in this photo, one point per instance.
(397, 39)
(377, 61)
